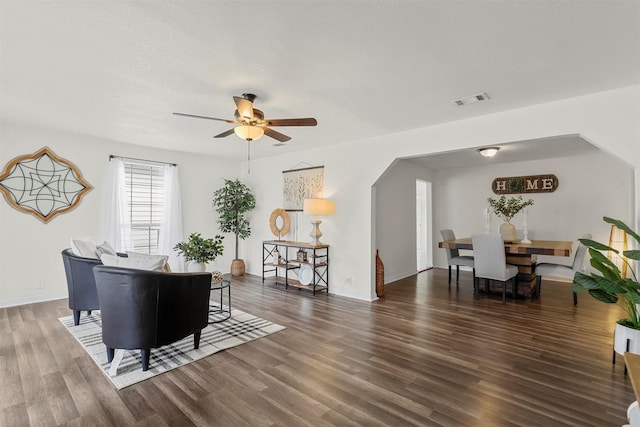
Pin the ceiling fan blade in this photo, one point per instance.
(276, 135)
(225, 133)
(245, 107)
(292, 122)
(205, 117)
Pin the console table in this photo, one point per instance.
(296, 264)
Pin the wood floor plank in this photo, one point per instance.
(424, 355)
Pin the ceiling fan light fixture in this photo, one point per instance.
(488, 151)
(249, 133)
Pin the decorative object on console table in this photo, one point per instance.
(198, 251)
(610, 287)
(301, 255)
(316, 208)
(232, 201)
(507, 209)
(43, 184)
(279, 222)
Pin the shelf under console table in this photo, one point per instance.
(298, 265)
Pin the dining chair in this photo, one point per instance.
(563, 270)
(491, 264)
(454, 257)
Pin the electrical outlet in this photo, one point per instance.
(40, 284)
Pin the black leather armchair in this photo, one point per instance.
(148, 309)
(80, 283)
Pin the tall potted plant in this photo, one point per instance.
(198, 251)
(232, 201)
(609, 286)
(507, 209)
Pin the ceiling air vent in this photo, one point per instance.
(471, 99)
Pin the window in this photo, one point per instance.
(145, 199)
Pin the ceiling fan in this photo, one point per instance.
(250, 122)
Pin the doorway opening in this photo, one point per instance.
(424, 259)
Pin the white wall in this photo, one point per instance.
(607, 119)
(587, 181)
(395, 218)
(30, 250)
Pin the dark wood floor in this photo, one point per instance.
(422, 356)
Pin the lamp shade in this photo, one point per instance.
(319, 207)
(250, 133)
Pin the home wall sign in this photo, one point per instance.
(300, 184)
(525, 184)
(43, 184)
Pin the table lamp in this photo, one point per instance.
(316, 208)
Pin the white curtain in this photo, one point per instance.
(117, 222)
(171, 230)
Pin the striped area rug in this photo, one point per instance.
(239, 329)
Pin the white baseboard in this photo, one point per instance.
(400, 276)
(27, 300)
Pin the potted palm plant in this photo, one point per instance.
(198, 251)
(610, 286)
(232, 201)
(507, 209)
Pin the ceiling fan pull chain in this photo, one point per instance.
(248, 157)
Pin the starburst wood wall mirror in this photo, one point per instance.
(43, 184)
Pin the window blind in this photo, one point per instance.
(145, 196)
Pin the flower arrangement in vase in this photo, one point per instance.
(507, 209)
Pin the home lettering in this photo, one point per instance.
(525, 184)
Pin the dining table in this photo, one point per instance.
(523, 255)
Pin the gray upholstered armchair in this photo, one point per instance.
(148, 309)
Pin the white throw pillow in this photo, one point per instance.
(84, 248)
(152, 259)
(105, 248)
(139, 263)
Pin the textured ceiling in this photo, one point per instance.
(118, 69)
(538, 149)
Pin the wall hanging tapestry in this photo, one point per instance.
(300, 184)
(525, 184)
(43, 184)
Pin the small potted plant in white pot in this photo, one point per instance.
(198, 251)
(507, 209)
(610, 286)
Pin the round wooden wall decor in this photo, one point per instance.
(273, 222)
